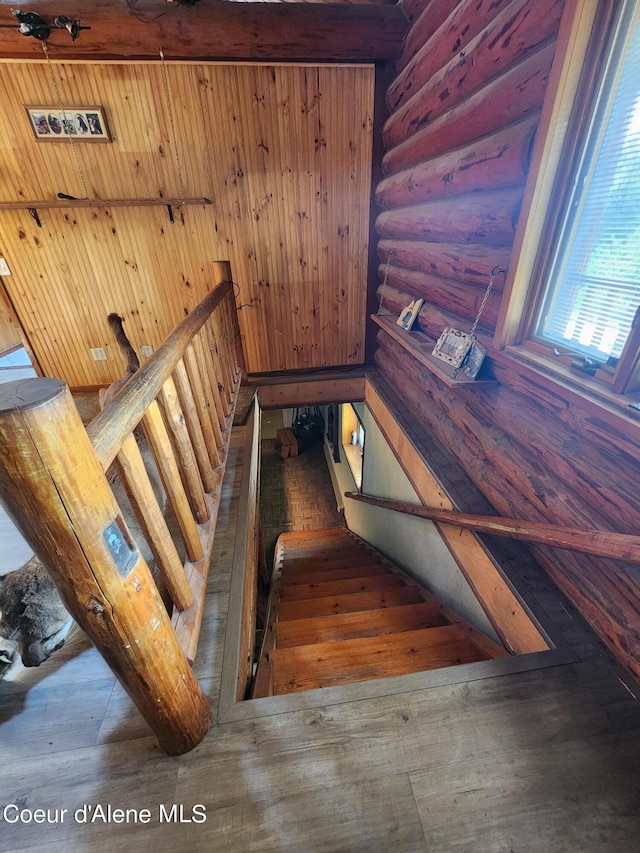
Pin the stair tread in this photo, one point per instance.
(300, 578)
(302, 535)
(363, 623)
(304, 592)
(391, 597)
(360, 556)
(365, 658)
(309, 539)
(347, 614)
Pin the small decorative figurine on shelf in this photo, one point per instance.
(409, 314)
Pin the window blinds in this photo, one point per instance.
(594, 285)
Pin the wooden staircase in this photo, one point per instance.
(340, 612)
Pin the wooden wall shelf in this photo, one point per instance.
(420, 347)
(102, 202)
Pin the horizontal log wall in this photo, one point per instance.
(116, 29)
(284, 154)
(464, 111)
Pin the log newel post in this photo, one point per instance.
(222, 272)
(54, 488)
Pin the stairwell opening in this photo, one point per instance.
(317, 642)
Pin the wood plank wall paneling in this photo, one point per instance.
(524, 447)
(9, 335)
(283, 151)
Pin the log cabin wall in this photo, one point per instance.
(283, 151)
(464, 107)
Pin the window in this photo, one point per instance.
(583, 297)
(353, 441)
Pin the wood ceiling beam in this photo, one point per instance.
(210, 31)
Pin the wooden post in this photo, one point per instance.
(53, 486)
(222, 272)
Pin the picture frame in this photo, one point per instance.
(474, 360)
(453, 346)
(83, 124)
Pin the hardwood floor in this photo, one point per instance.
(546, 760)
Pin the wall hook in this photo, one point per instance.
(34, 213)
(32, 24)
(72, 27)
(236, 296)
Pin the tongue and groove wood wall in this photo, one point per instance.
(282, 151)
(464, 108)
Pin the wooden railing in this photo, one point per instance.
(603, 543)
(53, 480)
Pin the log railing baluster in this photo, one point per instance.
(132, 472)
(158, 438)
(198, 424)
(205, 406)
(222, 367)
(205, 354)
(181, 441)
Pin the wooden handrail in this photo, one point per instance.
(53, 480)
(109, 429)
(602, 543)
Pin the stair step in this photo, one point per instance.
(366, 623)
(303, 535)
(361, 570)
(321, 553)
(343, 560)
(311, 538)
(307, 591)
(332, 663)
(379, 598)
(346, 614)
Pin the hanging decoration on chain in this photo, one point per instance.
(462, 350)
(384, 281)
(174, 138)
(69, 136)
(409, 314)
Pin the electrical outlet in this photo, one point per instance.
(99, 354)
(4, 267)
(146, 350)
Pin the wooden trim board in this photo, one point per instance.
(507, 613)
